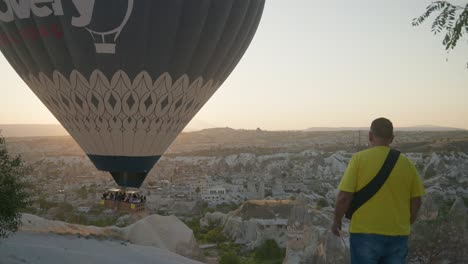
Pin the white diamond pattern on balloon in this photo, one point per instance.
(120, 116)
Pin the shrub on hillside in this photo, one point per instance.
(229, 258)
(269, 252)
(13, 194)
(216, 235)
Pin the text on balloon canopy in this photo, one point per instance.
(30, 34)
(22, 9)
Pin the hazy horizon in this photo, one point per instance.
(40, 130)
(327, 64)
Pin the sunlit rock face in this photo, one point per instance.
(254, 222)
(309, 238)
(259, 220)
(213, 218)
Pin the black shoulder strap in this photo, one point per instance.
(364, 195)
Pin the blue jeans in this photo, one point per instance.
(378, 249)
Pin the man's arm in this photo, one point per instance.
(342, 204)
(417, 191)
(415, 204)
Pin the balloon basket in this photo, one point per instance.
(106, 48)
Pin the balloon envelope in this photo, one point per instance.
(124, 77)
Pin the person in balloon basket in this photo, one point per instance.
(380, 192)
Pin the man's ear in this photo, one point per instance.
(391, 140)
(370, 136)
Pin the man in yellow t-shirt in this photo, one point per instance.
(379, 228)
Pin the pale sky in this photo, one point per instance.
(320, 63)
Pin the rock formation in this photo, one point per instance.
(165, 232)
(309, 238)
(254, 222)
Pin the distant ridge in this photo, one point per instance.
(410, 128)
(51, 130)
(32, 130)
(197, 125)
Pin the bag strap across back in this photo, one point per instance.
(366, 193)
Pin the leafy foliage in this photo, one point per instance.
(229, 252)
(321, 203)
(451, 18)
(13, 194)
(229, 258)
(226, 207)
(215, 235)
(210, 234)
(269, 252)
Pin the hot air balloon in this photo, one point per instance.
(124, 77)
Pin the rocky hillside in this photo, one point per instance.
(257, 221)
(444, 173)
(164, 232)
(27, 247)
(297, 226)
(309, 238)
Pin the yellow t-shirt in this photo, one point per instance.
(388, 211)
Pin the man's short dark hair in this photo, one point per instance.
(382, 127)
